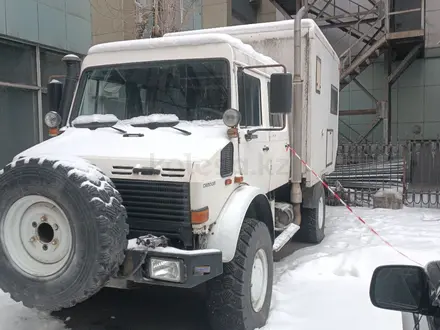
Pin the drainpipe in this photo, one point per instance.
(296, 119)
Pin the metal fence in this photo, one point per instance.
(411, 168)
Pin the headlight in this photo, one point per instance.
(231, 117)
(52, 119)
(166, 270)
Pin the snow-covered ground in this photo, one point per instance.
(322, 287)
(325, 287)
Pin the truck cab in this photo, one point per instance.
(174, 161)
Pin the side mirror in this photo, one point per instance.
(402, 288)
(54, 93)
(280, 93)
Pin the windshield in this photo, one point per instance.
(189, 89)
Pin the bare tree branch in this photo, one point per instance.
(157, 17)
(148, 18)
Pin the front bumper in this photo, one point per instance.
(195, 267)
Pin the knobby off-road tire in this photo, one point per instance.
(77, 206)
(229, 297)
(313, 218)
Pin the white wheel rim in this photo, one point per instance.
(36, 236)
(260, 274)
(321, 212)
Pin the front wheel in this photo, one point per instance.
(240, 298)
(62, 232)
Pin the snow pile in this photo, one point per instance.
(396, 192)
(153, 118)
(204, 123)
(180, 41)
(16, 316)
(430, 216)
(96, 118)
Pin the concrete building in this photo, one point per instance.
(389, 52)
(414, 95)
(116, 19)
(34, 36)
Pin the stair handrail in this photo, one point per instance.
(343, 57)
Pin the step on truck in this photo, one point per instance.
(171, 163)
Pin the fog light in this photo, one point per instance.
(166, 270)
(52, 119)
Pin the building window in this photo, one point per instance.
(17, 63)
(249, 99)
(334, 101)
(51, 65)
(20, 92)
(18, 121)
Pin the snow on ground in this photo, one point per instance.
(322, 287)
(325, 287)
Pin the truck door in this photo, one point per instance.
(280, 157)
(254, 149)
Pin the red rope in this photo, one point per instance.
(288, 147)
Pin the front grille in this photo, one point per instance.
(165, 172)
(157, 207)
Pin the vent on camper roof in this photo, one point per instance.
(165, 172)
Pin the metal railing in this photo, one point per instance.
(411, 168)
(375, 29)
(410, 18)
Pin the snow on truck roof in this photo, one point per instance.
(278, 29)
(284, 25)
(176, 41)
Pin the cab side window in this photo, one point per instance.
(249, 99)
(334, 106)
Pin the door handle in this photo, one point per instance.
(265, 148)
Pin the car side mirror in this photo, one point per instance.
(280, 93)
(402, 288)
(433, 271)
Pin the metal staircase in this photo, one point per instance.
(371, 30)
(351, 67)
(363, 28)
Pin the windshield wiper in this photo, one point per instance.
(119, 129)
(92, 125)
(155, 124)
(181, 130)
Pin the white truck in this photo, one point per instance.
(171, 164)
